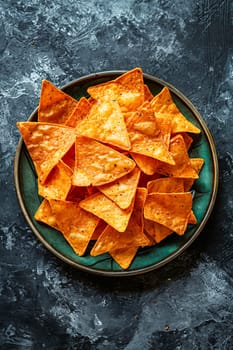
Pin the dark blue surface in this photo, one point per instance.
(47, 304)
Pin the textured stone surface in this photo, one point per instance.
(47, 304)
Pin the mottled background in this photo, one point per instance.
(47, 304)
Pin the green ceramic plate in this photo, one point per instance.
(147, 259)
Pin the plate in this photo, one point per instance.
(149, 258)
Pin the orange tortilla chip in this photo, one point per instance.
(98, 164)
(110, 239)
(76, 224)
(127, 90)
(46, 144)
(103, 207)
(157, 231)
(44, 214)
(55, 106)
(146, 164)
(182, 167)
(124, 257)
(169, 209)
(192, 218)
(58, 182)
(164, 104)
(145, 137)
(79, 113)
(165, 185)
(123, 190)
(197, 164)
(105, 123)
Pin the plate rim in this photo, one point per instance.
(172, 256)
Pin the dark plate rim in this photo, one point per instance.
(172, 256)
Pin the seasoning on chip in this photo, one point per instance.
(113, 169)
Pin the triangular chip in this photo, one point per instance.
(127, 90)
(166, 185)
(58, 182)
(192, 218)
(103, 207)
(46, 144)
(122, 191)
(197, 164)
(105, 123)
(110, 239)
(55, 106)
(156, 231)
(145, 137)
(124, 257)
(81, 110)
(169, 209)
(164, 104)
(44, 214)
(182, 167)
(76, 224)
(98, 164)
(146, 164)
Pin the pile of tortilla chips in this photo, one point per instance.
(113, 169)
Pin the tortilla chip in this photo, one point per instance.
(165, 185)
(197, 164)
(145, 137)
(163, 104)
(124, 257)
(55, 106)
(58, 182)
(105, 123)
(76, 224)
(169, 209)
(123, 190)
(127, 90)
(98, 164)
(146, 164)
(188, 140)
(103, 207)
(44, 214)
(192, 218)
(157, 231)
(46, 144)
(182, 167)
(81, 110)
